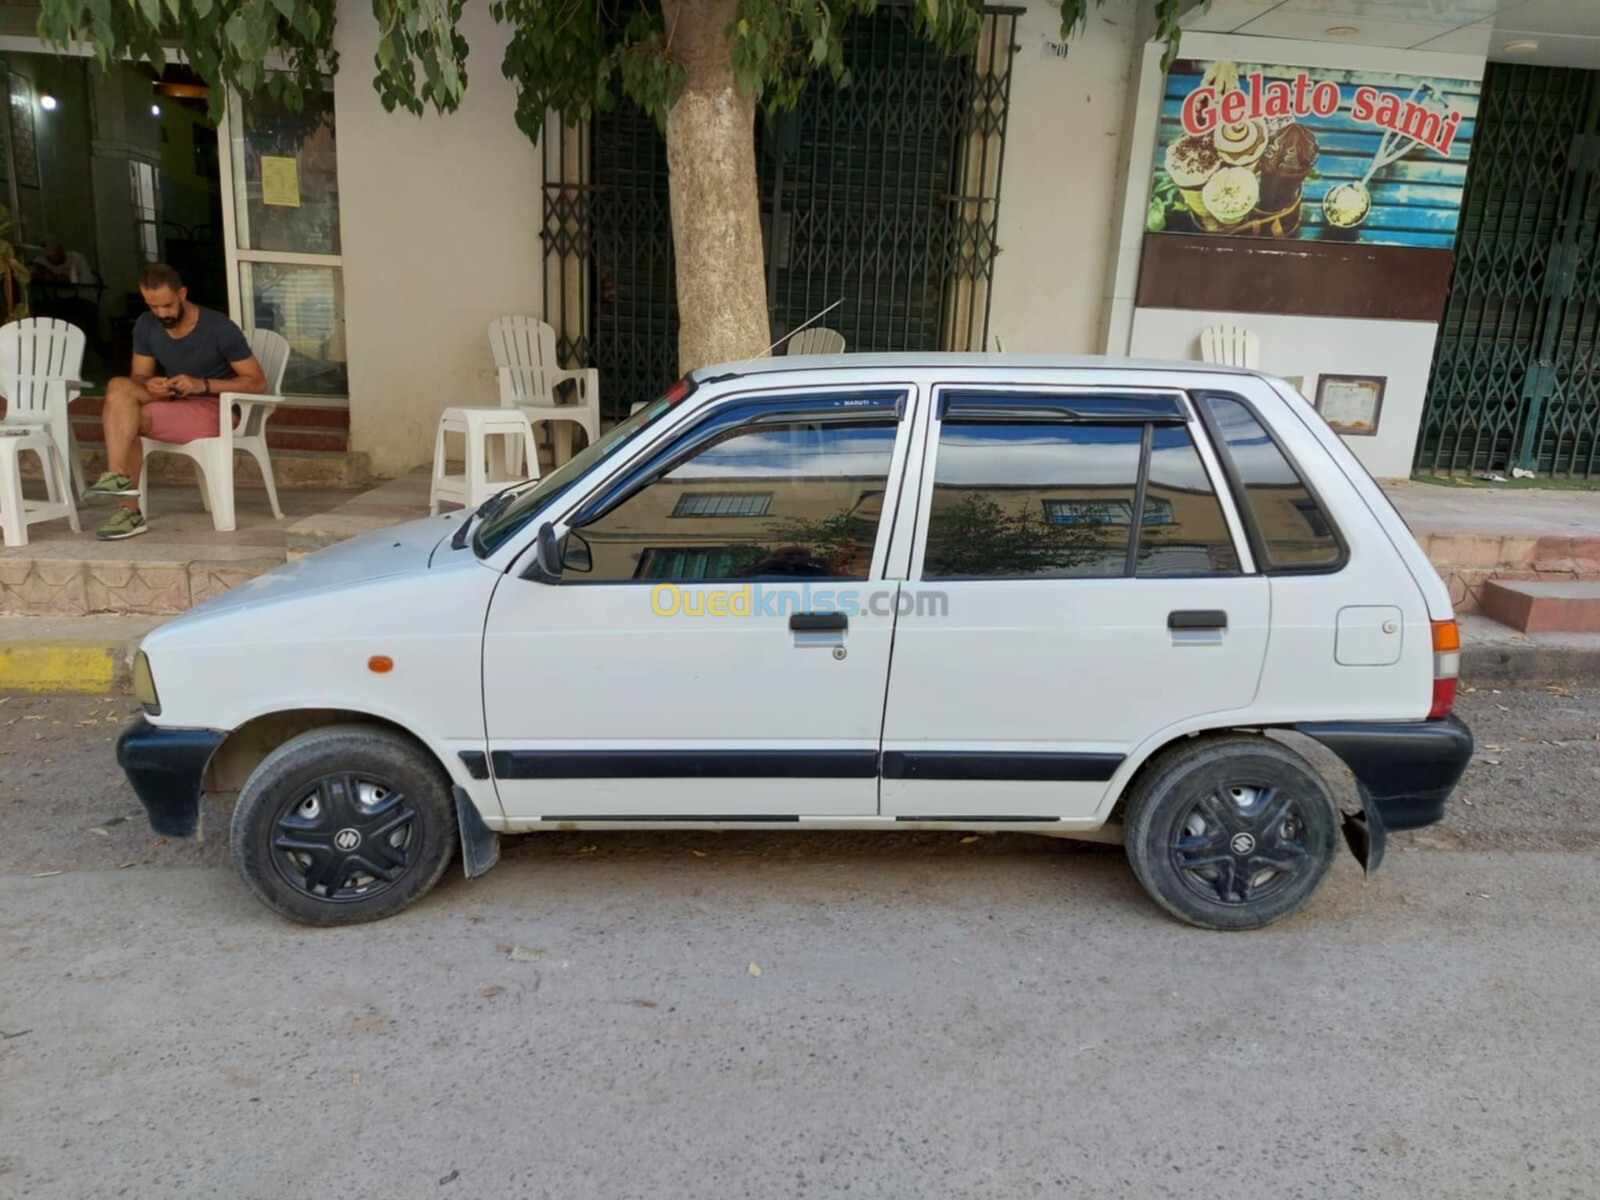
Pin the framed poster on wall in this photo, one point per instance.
(1351, 404)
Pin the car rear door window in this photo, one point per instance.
(1019, 501)
(1057, 500)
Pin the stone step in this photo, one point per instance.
(1544, 606)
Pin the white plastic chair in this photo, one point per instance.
(214, 456)
(40, 361)
(525, 359)
(816, 340)
(1230, 346)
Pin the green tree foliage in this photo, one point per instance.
(569, 56)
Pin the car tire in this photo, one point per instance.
(342, 825)
(1231, 832)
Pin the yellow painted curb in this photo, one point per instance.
(58, 666)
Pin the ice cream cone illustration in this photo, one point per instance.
(1191, 161)
(1242, 143)
(1231, 195)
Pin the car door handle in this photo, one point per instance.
(817, 622)
(819, 629)
(1197, 618)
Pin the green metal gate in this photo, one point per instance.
(884, 194)
(1516, 382)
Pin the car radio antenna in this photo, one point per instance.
(798, 328)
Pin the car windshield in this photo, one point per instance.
(524, 507)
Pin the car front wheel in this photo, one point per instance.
(1232, 832)
(344, 825)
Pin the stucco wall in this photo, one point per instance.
(439, 218)
(1064, 147)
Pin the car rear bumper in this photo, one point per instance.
(166, 768)
(1405, 770)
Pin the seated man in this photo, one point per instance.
(57, 264)
(199, 354)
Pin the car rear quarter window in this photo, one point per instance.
(1294, 532)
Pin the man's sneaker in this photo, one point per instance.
(110, 484)
(123, 523)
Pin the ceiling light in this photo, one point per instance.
(47, 102)
(1520, 46)
(1341, 31)
(155, 110)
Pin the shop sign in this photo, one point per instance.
(1289, 152)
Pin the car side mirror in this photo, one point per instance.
(575, 554)
(546, 566)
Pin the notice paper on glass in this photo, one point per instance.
(280, 181)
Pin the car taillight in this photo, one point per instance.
(1446, 667)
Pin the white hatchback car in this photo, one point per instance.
(1059, 596)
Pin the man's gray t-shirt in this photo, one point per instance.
(205, 353)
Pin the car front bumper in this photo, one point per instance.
(1405, 770)
(166, 768)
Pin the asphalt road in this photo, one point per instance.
(932, 1017)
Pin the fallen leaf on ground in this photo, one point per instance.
(43, 874)
(644, 1003)
(130, 863)
(355, 1078)
(755, 970)
(698, 853)
(98, 832)
(1557, 689)
(525, 954)
(161, 841)
(967, 841)
(589, 849)
(490, 992)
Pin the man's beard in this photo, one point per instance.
(172, 322)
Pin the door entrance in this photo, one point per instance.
(1514, 379)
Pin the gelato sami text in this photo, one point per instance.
(1204, 111)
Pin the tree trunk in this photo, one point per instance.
(716, 203)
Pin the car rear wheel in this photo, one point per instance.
(1231, 833)
(344, 825)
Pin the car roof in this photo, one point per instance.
(941, 361)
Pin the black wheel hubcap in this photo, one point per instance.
(1241, 843)
(345, 837)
